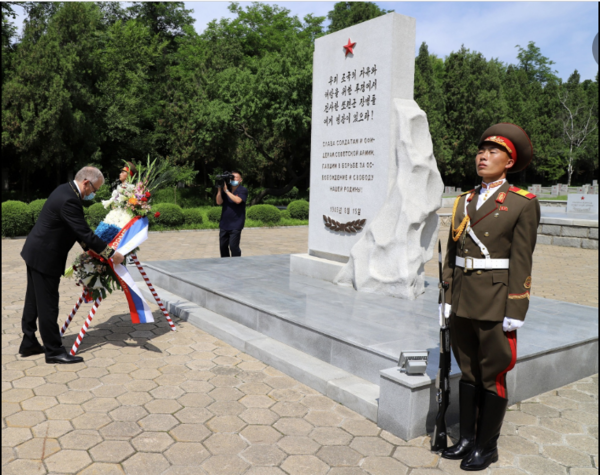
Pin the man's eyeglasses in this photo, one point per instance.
(92, 185)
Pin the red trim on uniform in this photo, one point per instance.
(501, 378)
(501, 197)
(495, 209)
(471, 196)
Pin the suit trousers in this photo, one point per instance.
(484, 352)
(41, 303)
(230, 240)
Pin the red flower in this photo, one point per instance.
(144, 199)
(157, 214)
(147, 194)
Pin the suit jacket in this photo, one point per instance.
(507, 225)
(60, 223)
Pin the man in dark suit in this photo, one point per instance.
(60, 224)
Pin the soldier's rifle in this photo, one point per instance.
(439, 439)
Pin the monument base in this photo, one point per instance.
(314, 267)
(346, 344)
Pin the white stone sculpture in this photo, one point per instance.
(391, 255)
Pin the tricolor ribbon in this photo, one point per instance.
(129, 237)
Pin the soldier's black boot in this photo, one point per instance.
(491, 415)
(468, 401)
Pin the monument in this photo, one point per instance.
(375, 189)
(375, 186)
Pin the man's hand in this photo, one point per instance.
(118, 258)
(225, 187)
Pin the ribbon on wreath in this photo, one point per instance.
(129, 237)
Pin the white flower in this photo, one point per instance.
(98, 284)
(89, 268)
(118, 217)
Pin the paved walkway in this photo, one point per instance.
(151, 401)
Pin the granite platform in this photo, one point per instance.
(346, 344)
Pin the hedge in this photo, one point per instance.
(36, 208)
(266, 213)
(17, 219)
(95, 214)
(285, 214)
(298, 209)
(214, 214)
(171, 215)
(193, 216)
(186, 197)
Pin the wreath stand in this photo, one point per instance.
(97, 302)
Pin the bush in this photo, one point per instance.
(16, 218)
(95, 214)
(193, 216)
(214, 214)
(36, 208)
(104, 193)
(186, 197)
(298, 209)
(285, 214)
(268, 214)
(171, 215)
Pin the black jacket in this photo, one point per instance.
(60, 224)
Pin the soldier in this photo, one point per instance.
(488, 269)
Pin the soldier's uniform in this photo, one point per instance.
(488, 268)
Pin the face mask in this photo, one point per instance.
(90, 196)
(234, 183)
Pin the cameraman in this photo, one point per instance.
(233, 215)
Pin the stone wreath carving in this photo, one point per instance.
(349, 227)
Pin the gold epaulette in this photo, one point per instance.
(521, 192)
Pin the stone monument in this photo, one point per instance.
(375, 186)
(582, 204)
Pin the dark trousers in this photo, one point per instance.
(484, 352)
(41, 302)
(230, 240)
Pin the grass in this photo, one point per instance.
(554, 198)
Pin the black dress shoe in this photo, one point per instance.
(36, 350)
(64, 359)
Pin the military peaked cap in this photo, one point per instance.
(514, 140)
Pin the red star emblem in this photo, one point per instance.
(349, 47)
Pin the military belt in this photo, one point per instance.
(469, 263)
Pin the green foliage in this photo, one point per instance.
(36, 208)
(95, 214)
(285, 214)
(103, 193)
(345, 14)
(265, 213)
(184, 197)
(193, 216)
(214, 214)
(171, 215)
(99, 83)
(298, 209)
(16, 219)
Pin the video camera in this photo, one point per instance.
(225, 177)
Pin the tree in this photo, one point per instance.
(47, 113)
(578, 121)
(536, 66)
(474, 100)
(428, 94)
(345, 14)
